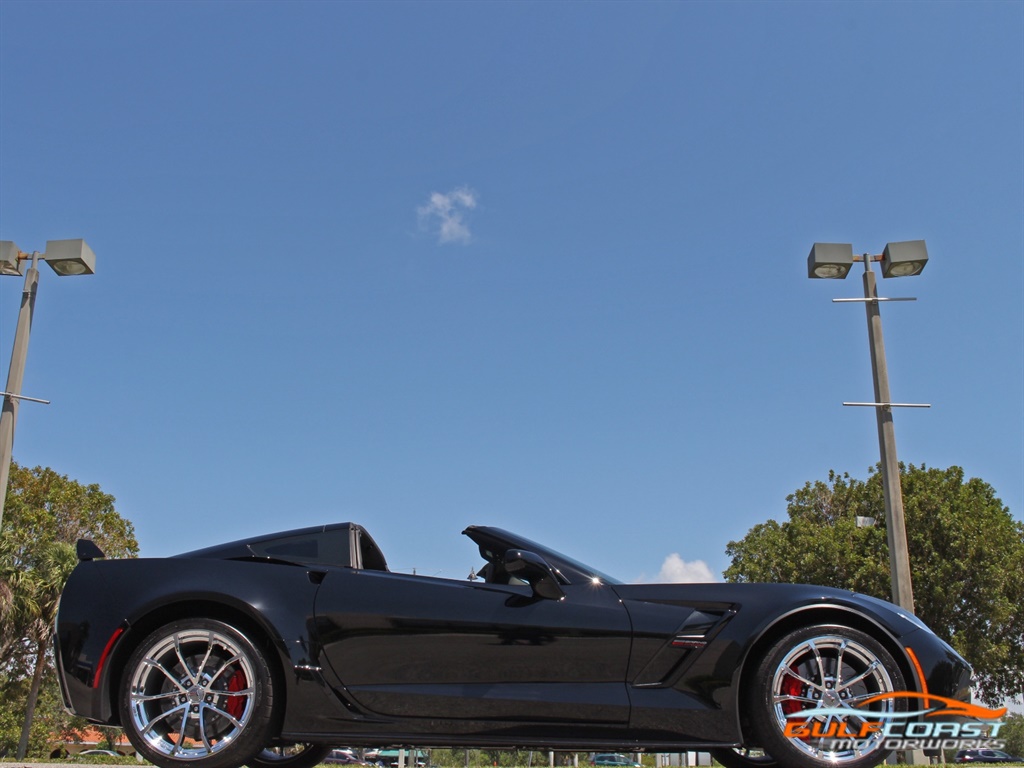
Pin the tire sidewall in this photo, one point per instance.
(253, 737)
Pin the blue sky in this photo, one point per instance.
(535, 265)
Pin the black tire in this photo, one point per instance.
(291, 756)
(742, 758)
(197, 693)
(824, 667)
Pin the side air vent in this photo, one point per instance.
(683, 647)
(694, 630)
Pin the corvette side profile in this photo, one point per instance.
(272, 650)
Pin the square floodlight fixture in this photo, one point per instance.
(904, 259)
(70, 257)
(10, 264)
(830, 260)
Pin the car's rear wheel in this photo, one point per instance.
(827, 683)
(291, 756)
(197, 692)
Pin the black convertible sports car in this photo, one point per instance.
(271, 650)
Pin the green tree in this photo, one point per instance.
(1013, 733)
(45, 514)
(55, 563)
(966, 558)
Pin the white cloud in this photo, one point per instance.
(677, 570)
(445, 214)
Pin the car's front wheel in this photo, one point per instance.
(197, 692)
(820, 694)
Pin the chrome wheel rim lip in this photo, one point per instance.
(179, 695)
(836, 672)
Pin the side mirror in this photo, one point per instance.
(533, 569)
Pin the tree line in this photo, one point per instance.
(44, 515)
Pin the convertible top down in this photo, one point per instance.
(273, 649)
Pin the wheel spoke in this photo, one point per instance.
(181, 660)
(854, 680)
(805, 681)
(829, 719)
(781, 697)
(181, 734)
(224, 666)
(140, 697)
(821, 664)
(164, 715)
(153, 664)
(226, 715)
(202, 728)
(860, 697)
(857, 717)
(839, 664)
(206, 657)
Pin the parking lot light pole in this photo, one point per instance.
(834, 261)
(896, 527)
(65, 257)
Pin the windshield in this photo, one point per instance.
(553, 556)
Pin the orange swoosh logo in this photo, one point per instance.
(947, 706)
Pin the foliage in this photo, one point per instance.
(1013, 733)
(966, 558)
(44, 515)
(50, 717)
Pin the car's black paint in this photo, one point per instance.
(366, 657)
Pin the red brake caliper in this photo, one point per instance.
(792, 687)
(236, 703)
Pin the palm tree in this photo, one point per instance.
(41, 587)
(43, 508)
(17, 600)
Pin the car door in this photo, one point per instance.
(416, 646)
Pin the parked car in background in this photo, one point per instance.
(616, 760)
(105, 752)
(985, 756)
(344, 757)
(389, 758)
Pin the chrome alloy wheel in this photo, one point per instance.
(192, 693)
(835, 674)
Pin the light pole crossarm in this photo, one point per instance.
(24, 397)
(893, 405)
(871, 300)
